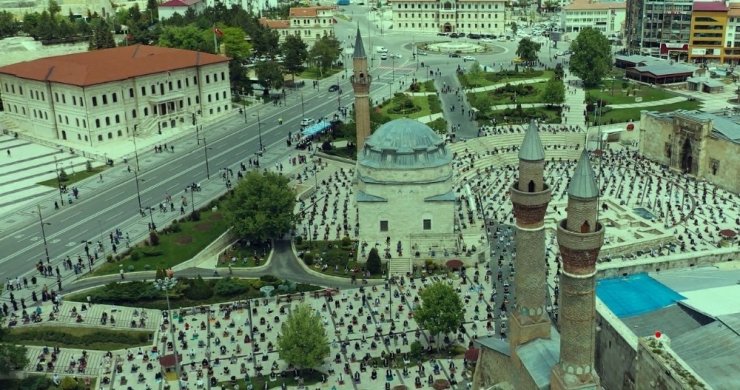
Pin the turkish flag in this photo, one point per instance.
(218, 32)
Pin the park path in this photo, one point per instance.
(284, 265)
(677, 99)
(499, 85)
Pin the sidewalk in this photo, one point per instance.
(575, 98)
(672, 100)
(499, 85)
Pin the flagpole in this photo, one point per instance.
(215, 40)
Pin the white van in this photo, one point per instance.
(381, 49)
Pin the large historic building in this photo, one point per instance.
(468, 16)
(605, 16)
(102, 96)
(309, 23)
(536, 355)
(702, 144)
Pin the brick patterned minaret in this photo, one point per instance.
(361, 80)
(530, 196)
(580, 237)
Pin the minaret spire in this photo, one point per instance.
(580, 237)
(530, 196)
(361, 80)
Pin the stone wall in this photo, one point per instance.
(616, 349)
(658, 367)
(656, 264)
(492, 368)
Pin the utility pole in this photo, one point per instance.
(205, 151)
(43, 232)
(259, 132)
(138, 193)
(136, 150)
(59, 181)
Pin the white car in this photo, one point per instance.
(396, 56)
(307, 122)
(469, 58)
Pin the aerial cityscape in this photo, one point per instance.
(347, 194)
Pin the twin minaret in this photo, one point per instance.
(361, 80)
(580, 237)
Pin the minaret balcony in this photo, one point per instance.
(359, 80)
(579, 251)
(530, 207)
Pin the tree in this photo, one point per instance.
(8, 25)
(303, 341)
(514, 28)
(441, 310)
(101, 37)
(559, 71)
(152, 10)
(591, 58)
(235, 44)
(53, 7)
(188, 37)
(325, 52)
(269, 75)
(12, 357)
(373, 262)
(554, 92)
(262, 206)
(527, 51)
(265, 42)
(296, 53)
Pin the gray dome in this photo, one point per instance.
(403, 144)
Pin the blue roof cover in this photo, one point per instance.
(315, 128)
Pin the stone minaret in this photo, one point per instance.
(360, 80)
(530, 196)
(580, 237)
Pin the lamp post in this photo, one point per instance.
(59, 181)
(43, 232)
(138, 192)
(166, 284)
(303, 110)
(151, 217)
(339, 96)
(259, 131)
(205, 151)
(136, 150)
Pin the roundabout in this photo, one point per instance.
(461, 47)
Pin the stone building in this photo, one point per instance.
(109, 95)
(404, 189)
(468, 16)
(698, 143)
(309, 23)
(536, 355)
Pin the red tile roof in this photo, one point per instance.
(277, 24)
(103, 66)
(179, 3)
(710, 6)
(307, 11)
(588, 5)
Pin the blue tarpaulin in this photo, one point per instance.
(316, 128)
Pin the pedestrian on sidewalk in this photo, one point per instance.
(101, 177)
(121, 272)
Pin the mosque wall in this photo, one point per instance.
(656, 264)
(616, 350)
(492, 368)
(721, 164)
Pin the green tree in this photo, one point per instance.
(325, 52)
(30, 24)
(591, 58)
(373, 262)
(46, 28)
(559, 71)
(265, 42)
(152, 10)
(441, 310)
(514, 28)
(235, 44)
(53, 8)
(12, 357)
(527, 51)
(8, 25)
(188, 37)
(303, 341)
(269, 75)
(554, 92)
(102, 36)
(262, 206)
(296, 53)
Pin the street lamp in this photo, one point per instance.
(138, 193)
(259, 132)
(136, 150)
(59, 181)
(43, 232)
(303, 110)
(205, 150)
(166, 284)
(151, 217)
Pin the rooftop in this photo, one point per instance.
(664, 69)
(539, 356)
(718, 6)
(359, 47)
(179, 3)
(532, 149)
(307, 12)
(404, 144)
(275, 24)
(727, 127)
(107, 65)
(583, 182)
(589, 5)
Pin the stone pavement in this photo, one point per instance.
(575, 102)
(499, 85)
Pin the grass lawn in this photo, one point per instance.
(498, 98)
(350, 153)
(314, 74)
(43, 382)
(78, 337)
(482, 79)
(427, 86)
(439, 125)
(338, 256)
(173, 248)
(74, 177)
(648, 94)
(310, 377)
(421, 107)
(633, 114)
(510, 116)
(252, 255)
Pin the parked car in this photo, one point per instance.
(468, 58)
(454, 55)
(474, 36)
(421, 53)
(333, 88)
(454, 35)
(307, 122)
(443, 34)
(396, 56)
(384, 56)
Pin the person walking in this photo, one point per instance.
(121, 272)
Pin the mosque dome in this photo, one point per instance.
(404, 144)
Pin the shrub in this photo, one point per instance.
(175, 227)
(373, 262)
(228, 287)
(88, 166)
(195, 215)
(125, 292)
(135, 255)
(346, 242)
(198, 289)
(298, 240)
(308, 258)
(434, 104)
(153, 238)
(416, 349)
(63, 175)
(269, 279)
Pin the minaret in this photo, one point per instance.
(360, 80)
(530, 196)
(580, 237)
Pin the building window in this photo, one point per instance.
(74, 100)
(56, 97)
(110, 135)
(130, 92)
(118, 119)
(77, 122)
(115, 97)
(133, 113)
(223, 76)
(187, 82)
(197, 99)
(107, 121)
(146, 111)
(95, 101)
(105, 99)
(143, 91)
(20, 90)
(224, 94)
(179, 84)
(66, 120)
(195, 80)
(208, 79)
(383, 226)
(84, 126)
(119, 133)
(100, 137)
(209, 98)
(97, 123)
(170, 85)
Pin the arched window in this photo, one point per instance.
(530, 186)
(585, 227)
